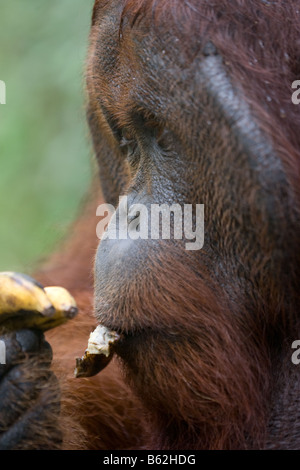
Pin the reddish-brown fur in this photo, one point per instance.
(234, 387)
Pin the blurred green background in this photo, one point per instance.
(45, 152)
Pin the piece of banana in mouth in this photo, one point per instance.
(26, 304)
(99, 352)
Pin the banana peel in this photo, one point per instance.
(26, 304)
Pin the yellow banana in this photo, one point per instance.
(24, 303)
(20, 292)
(64, 304)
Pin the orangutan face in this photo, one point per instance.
(172, 123)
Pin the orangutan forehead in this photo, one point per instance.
(154, 44)
(248, 35)
(244, 19)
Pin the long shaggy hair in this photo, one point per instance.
(229, 381)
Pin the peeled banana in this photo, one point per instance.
(99, 352)
(24, 303)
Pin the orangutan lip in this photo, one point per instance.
(123, 335)
(121, 331)
(134, 332)
(128, 337)
(132, 338)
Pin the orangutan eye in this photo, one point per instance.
(130, 146)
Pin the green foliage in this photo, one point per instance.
(45, 153)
